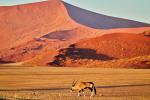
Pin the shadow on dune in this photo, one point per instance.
(99, 21)
(78, 53)
(5, 62)
(66, 88)
(60, 35)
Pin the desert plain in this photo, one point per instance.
(54, 83)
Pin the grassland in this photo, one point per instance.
(53, 83)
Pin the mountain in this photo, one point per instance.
(100, 21)
(35, 33)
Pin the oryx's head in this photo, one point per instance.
(73, 85)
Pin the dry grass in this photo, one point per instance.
(49, 83)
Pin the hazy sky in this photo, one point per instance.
(130, 9)
(16, 2)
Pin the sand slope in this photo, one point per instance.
(105, 48)
(22, 23)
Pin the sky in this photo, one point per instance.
(16, 2)
(138, 10)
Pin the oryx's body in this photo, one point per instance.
(81, 86)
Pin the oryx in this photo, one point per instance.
(81, 86)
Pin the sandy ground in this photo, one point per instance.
(49, 83)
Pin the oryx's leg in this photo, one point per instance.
(79, 93)
(92, 92)
(83, 92)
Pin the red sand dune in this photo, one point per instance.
(46, 43)
(22, 23)
(35, 32)
(104, 48)
(118, 45)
